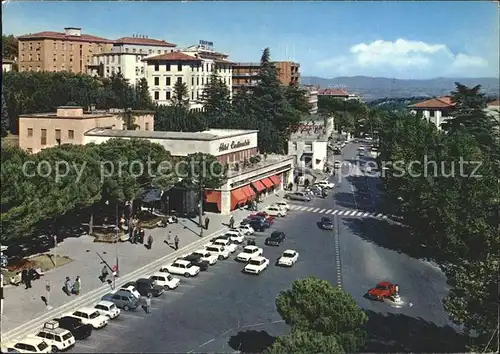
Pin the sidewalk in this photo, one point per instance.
(20, 305)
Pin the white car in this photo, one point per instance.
(165, 279)
(91, 316)
(283, 205)
(131, 289)
(108, 309)
(57, 338)
(275, 210)
(256, 265)
(288, 258)
(219, 250)
(325, 184)
(182, 267)
(226, 243)
(248, 253)
(235, 236)
(207, 256)
(31, 345)
(246, 229)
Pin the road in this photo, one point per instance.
(223, 310)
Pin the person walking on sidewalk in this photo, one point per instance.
(77, 286)
(29, 278)
(148, 304)
(150, 242)
(24, 278)
(104, 273)
(176, 241)
(67, 286)
(207, 222)
(231, 222)
(169, 238)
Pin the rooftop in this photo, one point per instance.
(173, 56)
(494, 103)
(144, 41)
(333, 92)
(211, 134)
(437, 102)
(64, 36)
(268, 161)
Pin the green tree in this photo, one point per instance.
(180, 95)
(298, 99)
(9, 46)
(216, 99)
(5, 122)
(179, 119)
(142, 97)
(121, 93)
(314, 305)
(305, 342)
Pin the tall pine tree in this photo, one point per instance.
(217, 103)
(142, 97)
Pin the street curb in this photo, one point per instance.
(96, 294)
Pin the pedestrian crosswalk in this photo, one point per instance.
(340, 212)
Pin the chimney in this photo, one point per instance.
(73, 31)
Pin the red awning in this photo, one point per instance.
(259, 186)
(213, 197)
(276, 180)
(249, 192)
(267, 182)
(237, 197)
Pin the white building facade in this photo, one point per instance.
(246, 181)
(127, 56)
(436, 110)
(163, 71)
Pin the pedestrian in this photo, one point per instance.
(142, 234)
(148, 304)
(169, 238)
(176, 241)
(24, 278)
(231, 222)
(77, 286)
(207, 221)
(150, 242)
(67, 286)
(104, 273)
(29, 278)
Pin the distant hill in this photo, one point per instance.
(372, 88)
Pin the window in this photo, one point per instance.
(126, 50)
(192, 95)
(58, 136)
(150, 51)
(43, 137)
(146, 126)
(168, 95)
(179, 80)
(432, 113)
(157, 95)
(203, 81)
(30, 57)
(71, 134)
(157, 67)
(30, 132)
(192, 80)
(167, 67)
(168, 81)
(179, 67)
(157, 81)
(37, 56)
(197, 81)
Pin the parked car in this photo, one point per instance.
(256, 265)
(226, 243)
(108, 309)
(147, 287)
(195, 260)
(91, 316)
(383, 290)
(31, 345)
(57, 338)
(246, 229)
(325, 184)
(207, 256)
(165, 279)
(219, 250)
(78, 329)
(248, 253)
(276, 238)
(283, 205)
(275, 210)
(300, 196)
(288, 258)
(264, 216)
(258, 225)
(236, 236)
(182, 267)
(326, 223)
(122, 299)
(131, 289)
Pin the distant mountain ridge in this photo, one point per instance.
(372, 88)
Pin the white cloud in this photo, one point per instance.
(402, 57)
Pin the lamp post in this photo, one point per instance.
(200, 210)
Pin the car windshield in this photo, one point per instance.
(326, 220)
(189, 265)
(275, 234)
(288, 254)
(169, 277)
(248, 250)
(42, 346)
(67, 336)
(254, 262)
(381, 287)
(94, 315)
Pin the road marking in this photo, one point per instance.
(128, 315)
(208, 341)
(278, 321)
(360, 213)
(379, 215)
(366, 214)
(254, 325)
(309, 209)
(347, 213)
(322, 211)
(328, 211)
(335, 212)
(316, 210)
(226, 332)
(384, 217)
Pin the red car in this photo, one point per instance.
(265, 215)
(383, 290)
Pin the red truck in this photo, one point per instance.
(383, 290)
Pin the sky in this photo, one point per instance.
(397, 39)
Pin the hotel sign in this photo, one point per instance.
(233, 145)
